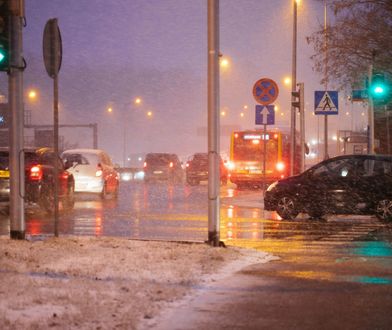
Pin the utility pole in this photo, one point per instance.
(293, 89)
(213, 124)
(15, 92)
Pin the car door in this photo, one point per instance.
(328, 185)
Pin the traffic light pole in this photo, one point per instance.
(370, 130)
(15, 95)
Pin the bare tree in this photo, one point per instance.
(359, 33)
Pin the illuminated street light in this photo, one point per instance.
(224, 63)
(149, 114)
(32, 94)
(241, 114)
(110, 110)
(138, 100)
(287, 81)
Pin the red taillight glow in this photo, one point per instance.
(171, 164)
(187, 165)
(280, 166)
(275, 136)
(64, 175)
(145, 164)
(35, 173)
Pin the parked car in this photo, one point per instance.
(93, 171)
(39, 179)
(163, 166)
(350, 184)
(196, 169)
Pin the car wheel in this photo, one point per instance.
(384, 210)
(115, 194)
(104, 192)
(286, 208)
(69, 200)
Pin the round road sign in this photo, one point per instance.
(52, 48)
(265, 91)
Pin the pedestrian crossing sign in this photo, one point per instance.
(326, 103)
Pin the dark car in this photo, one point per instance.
(196, 169)
(39, 179)
(163, 166)
(350, 184)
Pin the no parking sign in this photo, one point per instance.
(265, 91)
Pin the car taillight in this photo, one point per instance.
(35, 173)
(171, 164)
(280, 166)
(64, 175)
(145, 164)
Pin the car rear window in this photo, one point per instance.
(159, 159)
(70, 159)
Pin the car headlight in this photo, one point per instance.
(272, 186)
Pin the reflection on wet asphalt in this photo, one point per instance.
(179, 212)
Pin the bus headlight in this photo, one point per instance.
(230, 165)
(280, 166)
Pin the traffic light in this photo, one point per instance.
(298, 97)
(4, 35)
(379, 88)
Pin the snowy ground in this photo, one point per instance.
(104, 283)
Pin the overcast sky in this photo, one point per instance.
(114, 51)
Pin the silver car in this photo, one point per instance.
(93, 171)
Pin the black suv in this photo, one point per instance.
(350, 184)
(196, 169)
(39, 179)
(163, 166)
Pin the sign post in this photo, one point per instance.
(52, 52)
(265, 92)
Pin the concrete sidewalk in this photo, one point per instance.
(279, 295)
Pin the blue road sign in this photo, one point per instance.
(265, 115)
(326, 103)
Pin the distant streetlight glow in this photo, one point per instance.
(242, 114)
(110, 110)
(149, 114)
(224, 63)
(138, 100)
(287, 81)
(223, 113)
(32, 94)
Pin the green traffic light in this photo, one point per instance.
(2, 56)
(378, 90)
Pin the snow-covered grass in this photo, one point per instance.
(103, 283)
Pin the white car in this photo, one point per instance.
(93, 171)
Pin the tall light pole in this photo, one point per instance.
(213, 124)
(293, 89)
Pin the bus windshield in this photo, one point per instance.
(245, 149)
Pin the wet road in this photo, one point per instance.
(179, 212)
